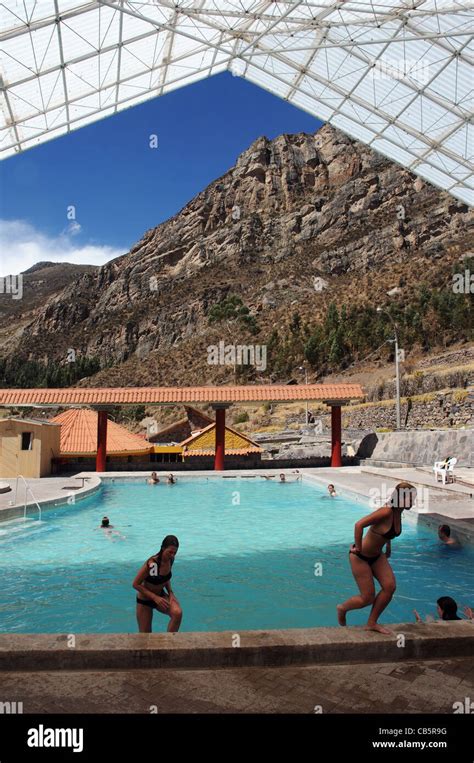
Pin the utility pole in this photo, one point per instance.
(303, 368)
(397, 364)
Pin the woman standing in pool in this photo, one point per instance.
(152, 579)
(368, 562)
(447, 610)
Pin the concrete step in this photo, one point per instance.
(227, 649)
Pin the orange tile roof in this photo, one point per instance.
(174, 395)
(79, 435)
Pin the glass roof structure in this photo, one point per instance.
(394, 74)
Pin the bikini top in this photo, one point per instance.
(392, 533)
(157, 579)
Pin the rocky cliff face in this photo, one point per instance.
(39, 284)
(295, 209)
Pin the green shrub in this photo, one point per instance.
(241, 418)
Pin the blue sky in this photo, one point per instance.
(118, 185)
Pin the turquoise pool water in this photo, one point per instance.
(246, 561)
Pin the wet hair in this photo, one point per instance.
(105, 522)
(170, 540)
(330, 485)
(445, 529)
(448, 607)
(397, 500)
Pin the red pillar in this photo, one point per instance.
(100, 463)
(220, 439)
(336, 436)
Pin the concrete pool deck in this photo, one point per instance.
(321, 670)
(401, 688)
(47, 491)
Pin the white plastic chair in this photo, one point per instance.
(445, 469)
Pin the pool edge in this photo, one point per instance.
(203, 650)
(8, 513)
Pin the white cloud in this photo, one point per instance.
(73, 228)
(22, 246)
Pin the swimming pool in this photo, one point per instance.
(247, 559)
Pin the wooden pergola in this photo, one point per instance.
(220, 398)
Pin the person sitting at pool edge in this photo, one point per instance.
(332, 490)
(447, 610)
(369, 563)
(444, 534)
(150, 582)
(154, 479)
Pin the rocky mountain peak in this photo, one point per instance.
(292, 209)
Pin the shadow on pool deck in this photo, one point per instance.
(226, 650)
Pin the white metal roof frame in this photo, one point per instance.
(394, 74)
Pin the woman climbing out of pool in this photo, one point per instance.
(368, 562)
(152, 579)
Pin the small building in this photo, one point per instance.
(78, 442)
(68, 442)
(194, 437)
(240, 450)
(27, 447)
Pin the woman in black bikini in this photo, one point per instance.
(152, 578)
(368, 562)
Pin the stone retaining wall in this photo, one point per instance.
(418, 448)
(421, 382)
(442, 409)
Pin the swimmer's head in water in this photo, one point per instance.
(447, 608)
(331, 488)
(404, 496)
(169, 547)
(444, 531)
(282, 477)
(105, 522)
